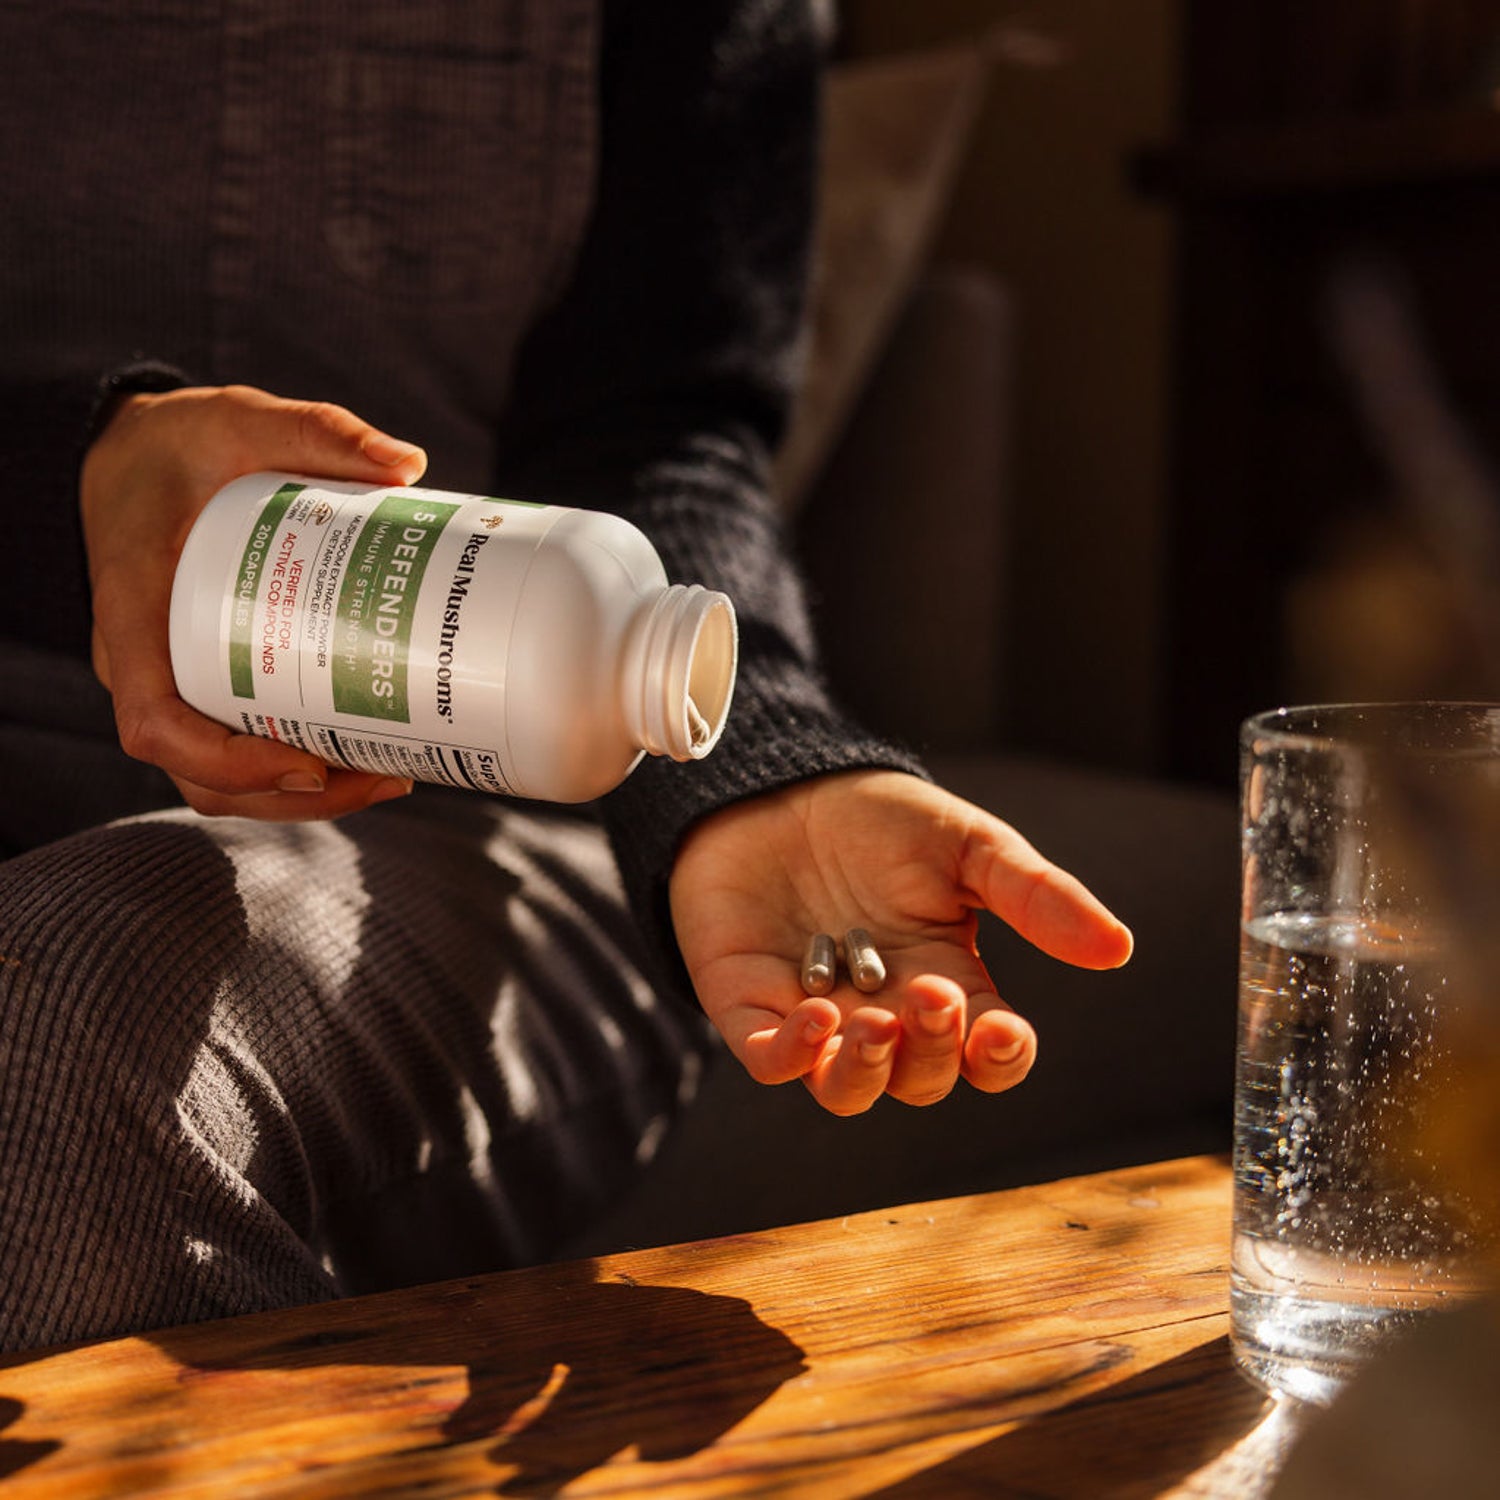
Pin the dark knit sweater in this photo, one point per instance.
(559, 243)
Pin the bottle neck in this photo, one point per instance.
(681, 652)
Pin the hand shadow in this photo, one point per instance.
(564, 1371)
(662, 1370)
(18, 1453)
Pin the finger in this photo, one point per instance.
(926, 1064)
(346, 792)
(853, 1072)
(156, 726)
(790, 1047)
(1041, 901)
(321, 438)
(1000, 1049)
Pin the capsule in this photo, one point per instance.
(700, 731)
(866, 967)
(820, 964)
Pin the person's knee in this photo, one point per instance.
(110, 947)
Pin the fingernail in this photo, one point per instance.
(391, 787)
(936, 1019)
(875, 1053)
(300, 781)
(385, 449)
(1008, 1053)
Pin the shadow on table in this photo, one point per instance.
(18, 1453)
(1134, 1439)
(666, 1370)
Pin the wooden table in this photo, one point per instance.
(1062, 1340)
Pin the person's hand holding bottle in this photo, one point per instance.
(157, 463)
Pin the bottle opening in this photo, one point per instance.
(680, 672)
(711, 676)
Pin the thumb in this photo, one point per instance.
(1046, 905)
(324, 439)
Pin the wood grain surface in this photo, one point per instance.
(1059, 1340)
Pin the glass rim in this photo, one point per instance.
(1325, 726)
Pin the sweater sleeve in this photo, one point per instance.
(660, 385)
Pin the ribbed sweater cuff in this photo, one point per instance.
(129, 380)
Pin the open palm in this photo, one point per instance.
(912, 864)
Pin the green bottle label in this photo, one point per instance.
(376, 603)
(247, 585)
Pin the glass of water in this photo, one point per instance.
(1347, 1225)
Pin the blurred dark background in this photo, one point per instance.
(1198, 514)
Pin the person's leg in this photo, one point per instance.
(247, 1065)
(61, 767)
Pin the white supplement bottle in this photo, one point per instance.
(534, 650)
